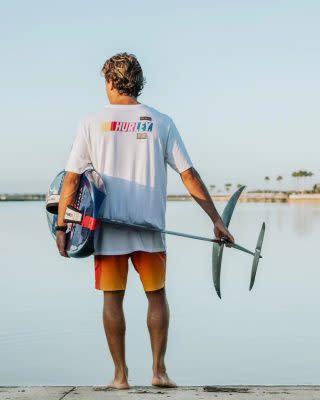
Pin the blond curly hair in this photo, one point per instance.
(125, 73)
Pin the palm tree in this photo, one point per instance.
(212, 187)
(296, 175)
(228, 186)
(301, 174)
(279, 179)
(310, 174)
(267, 179)
(305, 175)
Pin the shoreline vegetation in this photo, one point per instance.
(302, 178)
(254, 197)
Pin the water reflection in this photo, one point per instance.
(52, 313)
(305, 217)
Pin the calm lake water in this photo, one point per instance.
(51, 314)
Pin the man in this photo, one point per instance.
(130, 145)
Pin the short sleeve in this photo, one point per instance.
(79, 157)
(176, 154)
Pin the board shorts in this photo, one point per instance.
(111, 271)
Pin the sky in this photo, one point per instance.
(239, 78)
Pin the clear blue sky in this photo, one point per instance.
(240, 79)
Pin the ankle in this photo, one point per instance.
(159, 370)
(121, 373)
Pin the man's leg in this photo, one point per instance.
(152, 270)
(115, 327)
(111, 277)
(158, 324)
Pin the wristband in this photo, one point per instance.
(62, 228)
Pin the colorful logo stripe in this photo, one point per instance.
(123, 126)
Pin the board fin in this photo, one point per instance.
(257, 256)
(217, 249)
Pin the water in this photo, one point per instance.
(51, 315)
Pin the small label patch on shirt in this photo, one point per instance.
(145, 118)
(142, 135)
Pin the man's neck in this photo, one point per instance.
(120, 99)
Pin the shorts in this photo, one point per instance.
(111, 271)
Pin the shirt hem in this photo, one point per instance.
(120, 252)
(187, 166)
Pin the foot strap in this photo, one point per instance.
(75, 216)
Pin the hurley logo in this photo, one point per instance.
(122, 126)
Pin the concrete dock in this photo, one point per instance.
(151, 393)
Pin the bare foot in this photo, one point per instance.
(162, 380)
(120, 383)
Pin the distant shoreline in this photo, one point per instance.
(258, 197)
(254, 197)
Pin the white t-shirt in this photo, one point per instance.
(130, 147)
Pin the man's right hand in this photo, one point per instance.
(221, 232)
(199, 192)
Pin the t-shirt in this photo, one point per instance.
(130, 147)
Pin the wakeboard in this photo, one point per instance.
(89, 201)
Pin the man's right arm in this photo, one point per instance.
(199, 192)
(178, 158)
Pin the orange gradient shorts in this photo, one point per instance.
(111, 271)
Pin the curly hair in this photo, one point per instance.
(125, 73)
